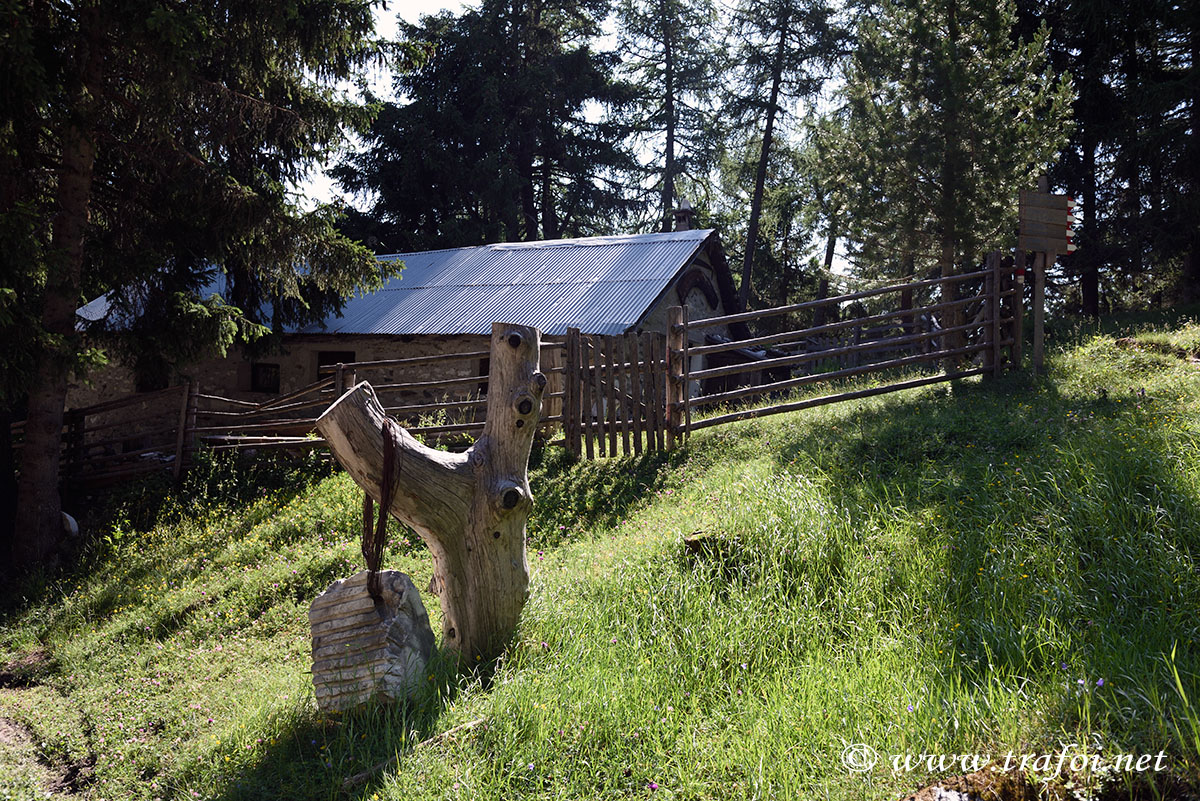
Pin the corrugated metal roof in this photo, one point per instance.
(601, 285)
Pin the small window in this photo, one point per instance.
(331, 358)
(485, 369)
(264, 378)
(327, 357)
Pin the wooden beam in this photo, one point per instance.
(747, 414)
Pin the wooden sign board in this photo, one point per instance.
(1054, 230)
(1043, 244)
(1045, 215)
(1044, 200)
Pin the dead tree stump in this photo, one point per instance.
(469, 508)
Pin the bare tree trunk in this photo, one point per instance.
(668, 189)
(821, 313)
(764, 156)
(39, 506)
(469, 508)
(551, 228)
(1089, 279)
(909, 269)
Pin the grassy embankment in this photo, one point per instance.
(975, 569)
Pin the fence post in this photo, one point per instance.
(571, 399)
(989, 314)
(339, 380)
(675, 339)
(598, 394)
(1019, 310)
(687, 376)
(187, 419)
(994, 301)
(637, 417)
(1039, 310)
(610, 390)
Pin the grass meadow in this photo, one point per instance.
(972, 569)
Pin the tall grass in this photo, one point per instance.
(968, 569)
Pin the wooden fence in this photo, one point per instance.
(615, 394)
(970, 325)
(160, 431)
(608, 395)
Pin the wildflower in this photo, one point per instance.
(1099, 682)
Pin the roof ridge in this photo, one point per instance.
(582, 241)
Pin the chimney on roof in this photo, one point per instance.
(684, 215)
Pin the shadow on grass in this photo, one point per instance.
(340, 755)
(571, 498)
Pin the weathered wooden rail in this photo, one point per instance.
(959, 350)
(607, 395)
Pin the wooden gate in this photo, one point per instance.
(615, 397)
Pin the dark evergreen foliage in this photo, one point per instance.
(498, 135)
(1134, 157)
(142, 145)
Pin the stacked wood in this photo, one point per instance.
(365, 650)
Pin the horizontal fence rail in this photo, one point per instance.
(606, 394)
(160, 431)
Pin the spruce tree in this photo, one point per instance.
(145, 145)
(1132, 159)
(492, 139)
(671, 54)
(946, 119)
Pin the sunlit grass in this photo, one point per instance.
(975, 568)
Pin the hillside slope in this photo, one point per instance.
(976, 569)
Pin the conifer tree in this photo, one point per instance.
(1132, 158)
(784, 49)
(946, 119)
(671, 54)
(144, 145)
(492, 140)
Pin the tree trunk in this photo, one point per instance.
(8, 490)
(1089, 279)
(821, 313)
(469, 508)
(551, 228)
(764, 156)
(668, 189)
(39, 506)
(529, 211)
(909, 270)
(952, 173)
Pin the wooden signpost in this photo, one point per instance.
(1045, 230)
